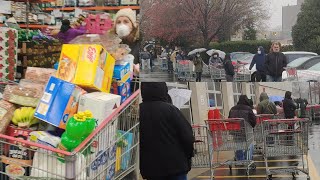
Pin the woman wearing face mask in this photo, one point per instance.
(198, 63)
(215, 59)
(259, 60)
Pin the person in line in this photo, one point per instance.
(275, 63)
(266, 106)
(259, 60)
(289, 106)
(229, 68)
(243, 109)
(198, 63)
(302, 106)
(215, 60)
(166, 137)
(145, 59)
(67, 33)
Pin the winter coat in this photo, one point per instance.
(243, 110)
(145, 55)
(213, 61)
(166, 137)
(70, 34)
(265, 106)
(179, 57)
(259, 60)
(135, 49)
(275, 64)
(228, 67)
(289, 107)
(198, 63)
(302, 105)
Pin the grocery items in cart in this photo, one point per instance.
(8, 53)
(124, 144)
(59, 102)
(24, 117)
(21, 95)
(90, 66)
(6, 113)
(41, 75)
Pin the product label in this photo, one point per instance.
(3, 112)
(43, 109)
(91, 54)
(46, 97)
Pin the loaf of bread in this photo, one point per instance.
(6, 113)
(21, 95)
(39, 74)
(36, 86)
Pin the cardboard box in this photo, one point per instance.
(100, 104)
(124, 145)
(87, 65)
(59, 102)
(120, 71)
(122, 87)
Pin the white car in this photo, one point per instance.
(291, 56)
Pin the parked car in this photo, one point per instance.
(246, 59)
(291, 56)
(235, 56)
(304, 62)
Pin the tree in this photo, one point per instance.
(201, 20)
(250, 33)
(306, 32)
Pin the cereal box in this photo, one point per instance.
(89, 66)
(122, 87)
(59, 102)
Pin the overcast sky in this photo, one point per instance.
(275, 11)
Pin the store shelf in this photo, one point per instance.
(96, 8)
(31, 26)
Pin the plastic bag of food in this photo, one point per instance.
(39, 74)
(120, 52)
(6, 114)
(21, 95)
(37, 86)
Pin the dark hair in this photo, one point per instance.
(65, 26)
(227, 57)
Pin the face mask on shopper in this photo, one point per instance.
(259, 52)
(198, 55)
(215, 56)
(123, 30)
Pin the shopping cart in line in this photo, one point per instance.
(185, 70)
(292, 74)
(163, 63)
(258, 137)
(286, 137)
(110, 152)
(242, 73)
(201, 157)
(230, 135)
(217, 73)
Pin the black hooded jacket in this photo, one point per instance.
(289, 106)
(275, 63)
(243, 110)
(166, 137)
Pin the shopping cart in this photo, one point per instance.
(242, 73)
(217, 73)
(230, 135)
(286, 137)
(185, 71)
(292, 74)
(110, 152)
(163, 64)
(201, 157)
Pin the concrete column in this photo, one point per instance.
(199, 102)
(227, 96)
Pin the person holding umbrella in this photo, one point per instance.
(229, 68)
(198, 63)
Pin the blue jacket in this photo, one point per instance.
(259, 60)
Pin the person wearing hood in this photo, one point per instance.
(243, 109)
(266, 106)
(259, 61)
(166, 137)
(289, 107)
(67, 33)
(229, 68)
(215, 59)
(275, 63)
(198, 63)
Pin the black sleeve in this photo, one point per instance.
(285, 61)
(231, 68)
(266, 63)
(253, 62)
(184, 132)
(135, 50)
(252, 118)
(292, 105)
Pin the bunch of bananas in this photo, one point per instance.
(24, 117)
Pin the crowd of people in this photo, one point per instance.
(269, 67)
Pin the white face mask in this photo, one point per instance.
(215, 56)
(198, 55)
(259, 52)
(123, 30)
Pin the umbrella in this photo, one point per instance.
(200, 50)
(221, 53)
(276, 98)
(179, 96)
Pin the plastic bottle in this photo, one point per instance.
(78, 128)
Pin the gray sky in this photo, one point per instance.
(275, 11)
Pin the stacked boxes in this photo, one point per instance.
(8, 52)
(121, 81)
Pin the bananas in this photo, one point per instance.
(24, 117)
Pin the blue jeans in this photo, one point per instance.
(177, 177)
(274, 78)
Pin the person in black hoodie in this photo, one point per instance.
(259, 61)
(289, 107)
(166, 137)
(243, 110)
(275, 63)
(229, 68)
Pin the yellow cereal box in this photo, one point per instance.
(86, 65)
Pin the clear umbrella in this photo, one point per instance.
(180, 96)
(221, 53)
(195, 51)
